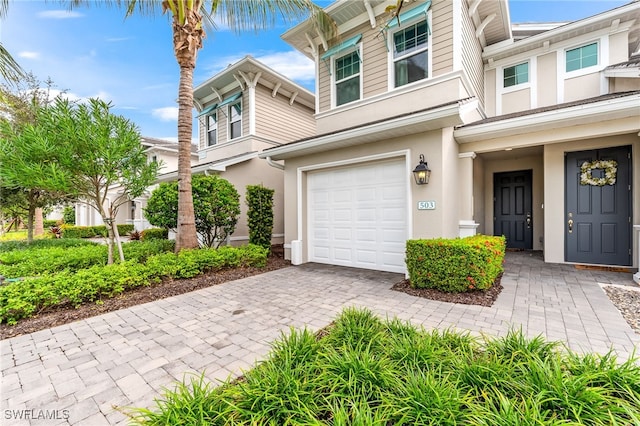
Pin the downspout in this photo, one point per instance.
(274, 164)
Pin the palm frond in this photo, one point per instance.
(10, 70)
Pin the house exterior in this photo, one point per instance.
(243, 110)
(158, 150)
(531, 131)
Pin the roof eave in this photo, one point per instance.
(448, 115)
(596, 112)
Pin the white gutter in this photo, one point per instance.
(274, 164)
(611, 109)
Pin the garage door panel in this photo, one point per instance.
(342, 254)
(342, 234)
(360, 213)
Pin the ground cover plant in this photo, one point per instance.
(55, 256)
(28, 297)
(365, 371)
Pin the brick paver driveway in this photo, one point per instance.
(77, 372)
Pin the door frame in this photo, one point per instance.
(528, 244)
(629, 201)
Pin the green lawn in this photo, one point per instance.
(366, 371)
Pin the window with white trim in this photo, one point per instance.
(212, 129)
(235, 120)
(347, 78)
(411, 53)
(581, 57)
(517, 74)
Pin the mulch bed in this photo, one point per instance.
(476, 297)
(166, 288)
(169, 287)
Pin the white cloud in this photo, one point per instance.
(29, 55)
(59, 14)
(166, 113)
(291, 64)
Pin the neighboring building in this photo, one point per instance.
(158, 150)
(504, 118)
(242, 110)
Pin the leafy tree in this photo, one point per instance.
(260, 215)
(27, 156)
(216, 203)
(99, 152)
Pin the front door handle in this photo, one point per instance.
(528, 220)
(570, 223)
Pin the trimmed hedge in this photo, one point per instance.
(34, 261)
(23, 299)
(154, 234)
(69, 231)
(455, 265)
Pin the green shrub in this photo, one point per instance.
(260, 215)
(341, 377)
(44, 243)
(37, 260)
(97, 231)
(69, 215)
(154, 234)
(49, 223)
(455, 265)
(21, 299)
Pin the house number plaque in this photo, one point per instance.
(427, 205)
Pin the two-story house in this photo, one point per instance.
(242, 110)
(444, 121)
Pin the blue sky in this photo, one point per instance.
(94, 52)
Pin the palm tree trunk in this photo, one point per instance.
(39, 222)
(187, 39)
(186, 237)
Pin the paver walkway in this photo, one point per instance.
(75, 373)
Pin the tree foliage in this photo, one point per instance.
(260, 215)
(216, 204)
(27, 155)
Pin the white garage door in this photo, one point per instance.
(357, 216)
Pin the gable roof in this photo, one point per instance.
(231, 79)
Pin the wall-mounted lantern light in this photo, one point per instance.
(422, 173)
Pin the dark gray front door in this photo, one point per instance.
(512, 208)
(598, 211)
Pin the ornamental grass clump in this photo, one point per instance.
(361, 370)
(455, 265)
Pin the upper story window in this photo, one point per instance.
(581, 57)
(410, 53)
(517, 74)
(347, 78)
(235, 120)
(212, 128)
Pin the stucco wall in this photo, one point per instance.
(441, 154)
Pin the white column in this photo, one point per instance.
(466, 225)
(636, 276)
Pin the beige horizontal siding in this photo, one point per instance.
(376, 57)
(279, 121)
(442, 37)
(472, 62)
